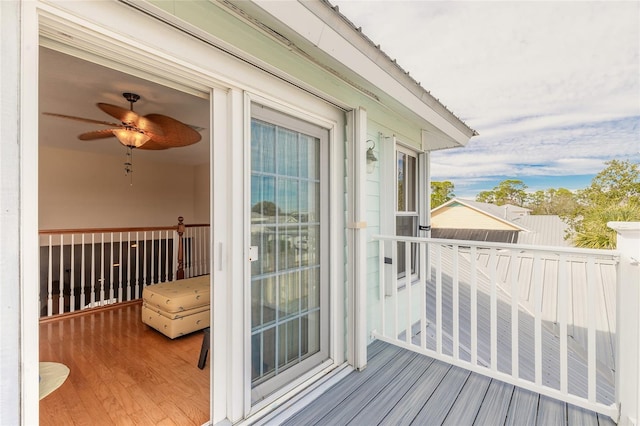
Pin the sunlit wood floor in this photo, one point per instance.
(123, 372)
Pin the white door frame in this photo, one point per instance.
(106, 30)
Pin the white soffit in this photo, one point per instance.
(328, 31)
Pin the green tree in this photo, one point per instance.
(552, 201)
(614, 195)
(441, 192)
(510, 191)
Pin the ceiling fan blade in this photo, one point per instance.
(86, 120)
(122, 114)
(131, 118)
(175, 133)
(96, 134)
(153, 146)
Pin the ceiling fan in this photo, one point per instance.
(152, 131)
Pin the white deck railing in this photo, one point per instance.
(86, 268)
(541, 318)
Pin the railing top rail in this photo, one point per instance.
(612, 254)
(109, 230)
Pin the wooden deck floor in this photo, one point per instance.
(400, 387)
(123, 372)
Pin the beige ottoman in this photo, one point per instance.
(176, 308)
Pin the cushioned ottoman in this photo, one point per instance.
(177, 308)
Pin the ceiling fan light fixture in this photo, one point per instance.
(131, 138)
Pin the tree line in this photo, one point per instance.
(614, 195)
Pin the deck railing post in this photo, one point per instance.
(628, 322)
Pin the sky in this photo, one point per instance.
(553, 88)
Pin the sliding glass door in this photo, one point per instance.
(289, 289)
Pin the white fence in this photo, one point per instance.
(541, 318)
(87, 268)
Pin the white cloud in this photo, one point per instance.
(552, 87)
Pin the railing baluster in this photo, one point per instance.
(381, 287)
(120, 267)
(394, 288)
(493, 269)
(166, 255)
(591, 330)
(72, 276)
(50, 279)
(154, 275)
(439, 299)
(515, 301)
(112, 265)
(144, 259)
(473, 255)
(564, 276)
(102, 268)
(456, 302)
(407, 281)
(137, 254)
(128, 265)
(424, 273)
(61, 277)
(537, 283)
(92, 297)
(83, 271)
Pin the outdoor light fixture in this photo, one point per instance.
(371, 158)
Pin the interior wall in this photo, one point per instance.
(202, 201)
(84, 190)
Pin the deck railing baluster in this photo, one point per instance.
(564, 275)
(439, 299)
(455, 302)
(493, 270)
(424, 276)
(537, 285)
(473, 256)
(407, 281)
(591, 330)
(515, 301)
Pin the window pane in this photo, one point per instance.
(411, 179)
(401, 182)
(406, 226)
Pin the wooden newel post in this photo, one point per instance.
(180, 272)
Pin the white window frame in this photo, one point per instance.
(418, 197)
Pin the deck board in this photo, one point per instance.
(495, 405)
(418, 390)
(469, 401)
(523, 409)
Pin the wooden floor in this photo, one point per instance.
(400, 387)
(123, 372)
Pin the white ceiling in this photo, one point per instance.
(72, 86)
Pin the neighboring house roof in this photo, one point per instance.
(476, 215)
(545, 230)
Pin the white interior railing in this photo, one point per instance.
(541, 318)
(86, 268)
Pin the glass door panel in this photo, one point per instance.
(288, 297)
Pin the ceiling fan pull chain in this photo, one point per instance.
(128, 164)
